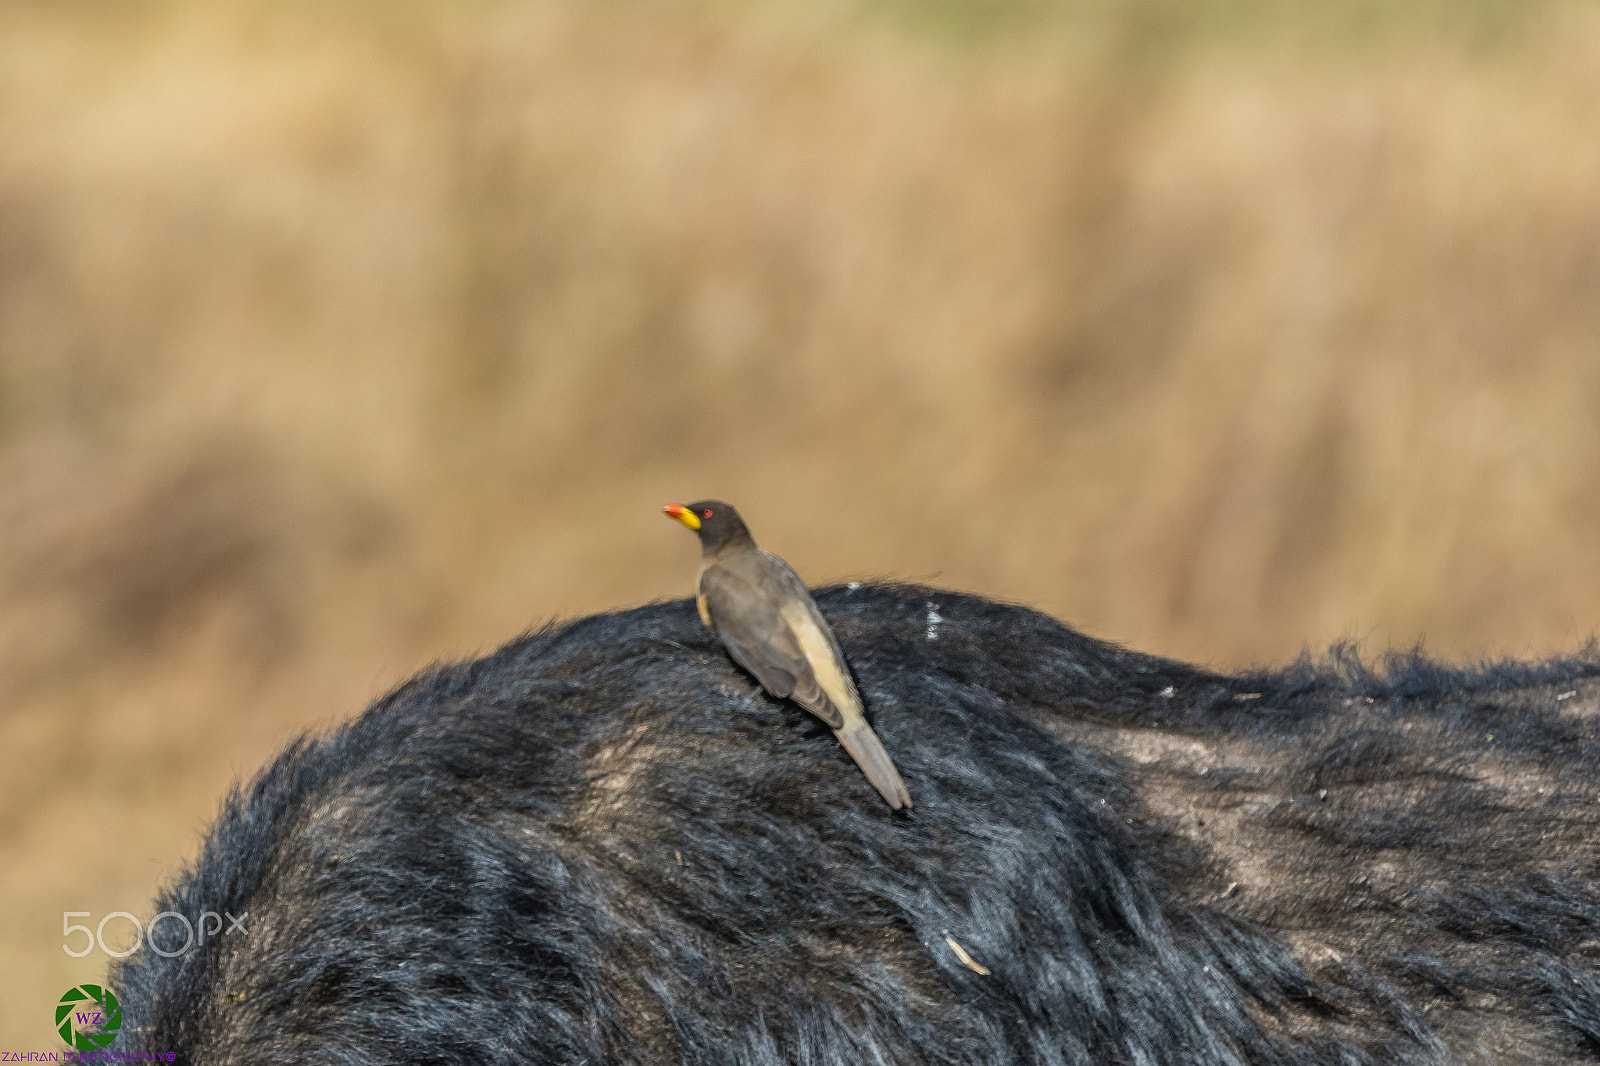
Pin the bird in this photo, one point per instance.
(766, 619)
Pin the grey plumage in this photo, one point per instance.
(765, 616)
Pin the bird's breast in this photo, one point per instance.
(700, 597)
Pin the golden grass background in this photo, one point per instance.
(336, 338)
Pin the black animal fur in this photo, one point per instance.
(603, 844)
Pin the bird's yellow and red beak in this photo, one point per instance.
(682, 514)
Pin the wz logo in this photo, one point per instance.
(88, 1017)
(194, 933)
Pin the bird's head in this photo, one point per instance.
(717, 523)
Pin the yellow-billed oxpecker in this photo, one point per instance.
(765, 616)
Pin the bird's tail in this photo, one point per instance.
(862, 744)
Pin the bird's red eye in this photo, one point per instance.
(705, 513)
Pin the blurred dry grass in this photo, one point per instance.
(339, 337)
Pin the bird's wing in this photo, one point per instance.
(752, 624)
(823, 655)
(772, 626)
(755, 637)
(818, 644)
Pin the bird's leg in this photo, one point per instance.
(750, 699)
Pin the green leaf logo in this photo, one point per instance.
(88, 1017)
